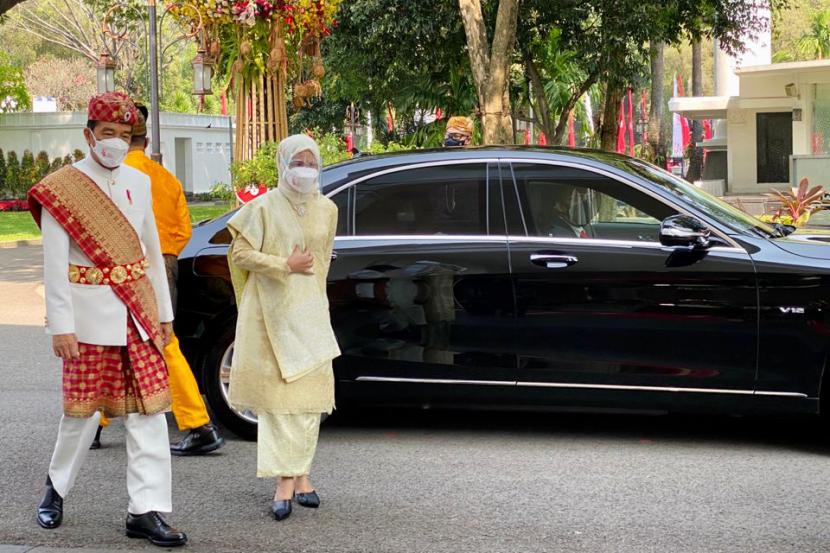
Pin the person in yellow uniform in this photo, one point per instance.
(459, 131)
(173, 223)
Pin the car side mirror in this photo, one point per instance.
(684, 231)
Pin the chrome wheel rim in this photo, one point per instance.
(224, 385)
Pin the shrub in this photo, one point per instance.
(797, 204)
(262, 169)
(28, 173)
(67, 160)
(12, 175)
(77, 155)
(42, 164)
(2, 172)
(221, 191)
(56, 164)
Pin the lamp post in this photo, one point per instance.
(105, 72)
(106, 77)
(202, 72)
(155, 140)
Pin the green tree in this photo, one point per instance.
(42, 165)
(77, 155)
(2, 173)
(815, 43)
(28, 172)
(13, 93)
(67, 159)
(409, 56)
(12, 174)
(56, 164)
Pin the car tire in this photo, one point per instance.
(240, 423)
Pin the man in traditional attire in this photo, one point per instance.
(174, 229)
(109, 313)
(459, 131)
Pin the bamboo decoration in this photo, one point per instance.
(261, 113)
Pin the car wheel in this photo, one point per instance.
(217, 379)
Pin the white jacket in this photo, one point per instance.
(94, 313)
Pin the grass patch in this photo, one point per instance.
(200, 213)
(19, 225)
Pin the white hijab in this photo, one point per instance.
(288, 148)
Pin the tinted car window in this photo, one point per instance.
(341, 200)
(445, 199)
(565, 202)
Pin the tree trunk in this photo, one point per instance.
(491, 64)
(696, 163)
(656, 136)
(543, 114)
(576, 95)
(610, 115)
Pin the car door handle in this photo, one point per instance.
(550, 261)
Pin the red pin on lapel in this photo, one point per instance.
(129, 197)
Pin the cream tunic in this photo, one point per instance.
(284, 341)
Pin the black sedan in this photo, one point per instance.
(542, 278)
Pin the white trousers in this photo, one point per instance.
(149, 478)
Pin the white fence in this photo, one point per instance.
(196, 148)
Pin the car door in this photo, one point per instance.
(420, 289)
(603, 308)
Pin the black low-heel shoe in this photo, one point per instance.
(281, 509)
(309, 499)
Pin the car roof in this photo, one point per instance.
(370, 162)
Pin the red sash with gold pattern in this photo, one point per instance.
(102, 232)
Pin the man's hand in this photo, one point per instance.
(65, 346)
(166, 333)
(301, 261)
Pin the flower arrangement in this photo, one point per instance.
(299, 17)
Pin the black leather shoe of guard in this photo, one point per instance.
(198, 441)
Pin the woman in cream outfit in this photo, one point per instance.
(281, 368)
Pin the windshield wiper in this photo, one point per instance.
(783, 230)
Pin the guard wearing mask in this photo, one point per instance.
(109, 314)
(459, 131)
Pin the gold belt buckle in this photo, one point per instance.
(118, 274)
(114, 275)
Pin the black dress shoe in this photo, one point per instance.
(281, 509)
(96, 442)
(152, 527)
(308, 499)
(198, 442)
(50, 510)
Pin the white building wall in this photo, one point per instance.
(763, 92)
(203, 154)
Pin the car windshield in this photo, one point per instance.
(722, 211)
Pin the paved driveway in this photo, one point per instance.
(428, 481)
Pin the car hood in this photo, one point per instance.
(812, 243)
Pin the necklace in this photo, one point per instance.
(300, 209)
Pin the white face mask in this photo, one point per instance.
(302, 179)
(110, 151)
